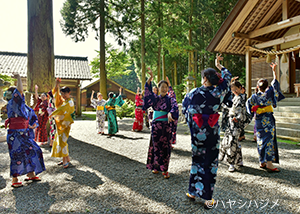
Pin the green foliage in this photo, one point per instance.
(180, 92)
(7, 79)
(127, 109)
(116, 62)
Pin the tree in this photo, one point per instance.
(114, 16)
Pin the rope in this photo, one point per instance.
(275, 52)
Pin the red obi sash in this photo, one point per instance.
(206, 119)
(17, 123)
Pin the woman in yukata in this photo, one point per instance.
(62, 115)
(200, 107)
(41, 107)
(25, 155)
(165, 111)
(139, 112)
(100, 114)
(50, 109)
(110, 110)
(262, 103)
(230, 148)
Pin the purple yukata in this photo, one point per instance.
(161, 131)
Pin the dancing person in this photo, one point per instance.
(50, 109)
(200, 107)
(41, 109)
(138, 121)
(149, 111)
(62, 115)
(32, 123)
(230, 148)
(262, 103)
(100, 114)
(165, 111)
(25, 155)
(110, 111)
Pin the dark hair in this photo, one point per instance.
(161, 82)
(211, 75)
(45, 94)
(262, 85)
(236, 84)
(65, 89)
(111, 94)
(11, 89)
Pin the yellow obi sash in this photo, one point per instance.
(100, 108)
(264, 109)
(110, 108)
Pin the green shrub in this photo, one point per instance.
(127, 109)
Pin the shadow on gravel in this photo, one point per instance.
(181, 152)
(2, 182)
(125, 137)
(85, 178)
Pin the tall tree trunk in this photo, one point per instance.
(190, 39)
(103, 79)
(40, 64)
(159, 45)
(164, 66)
(143, 43)
(175, 73)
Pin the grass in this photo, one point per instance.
(88, 116)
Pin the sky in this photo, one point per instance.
(13, 36)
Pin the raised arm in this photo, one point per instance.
(92, 96)
(120, 91)
(273, 66)
(217, 61)
(138, 90)
(36, 92)
(19, 82)
(151, 76)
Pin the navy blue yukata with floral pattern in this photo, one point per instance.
(161, 131)
(26, 156)
(265, 122)
(205, 139)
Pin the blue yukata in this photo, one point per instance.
(262, 103)
(26, 156)
(200, 107)
(33, 119)
(159, 152)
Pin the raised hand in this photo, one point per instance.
(15, 75)
(36, 87)
(217, 61)
(273, 66)
(168, 81)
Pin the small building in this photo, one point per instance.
(112, 86)
(261, 28)
(72, 71)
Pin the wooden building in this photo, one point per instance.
(71, 70)
(112, 86)
(261, 28)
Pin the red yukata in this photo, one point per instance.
(41, 131)
(139, 114)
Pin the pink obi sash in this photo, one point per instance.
(17, 123)
(206, 119)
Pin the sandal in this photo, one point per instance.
(190, 197)
(263, 166)
(60, 163)
(209, 204)
(66, 165)
(17, 184)
(155, 171)
(33, 179)
(272, 170)
(166, 175)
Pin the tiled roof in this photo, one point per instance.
(66, 67)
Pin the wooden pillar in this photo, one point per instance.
(78, 99)
(248, 70)
(40, 56)
(285, 9)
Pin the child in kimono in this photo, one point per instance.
(165, 111)
(64, 108)
(100, 114)
(110, 111)
(25, 155)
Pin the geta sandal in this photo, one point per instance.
(17, 184)
(209, 204)
(272, 170)
(190, 197)
(33, 179)
(166, 175)
(66, 165)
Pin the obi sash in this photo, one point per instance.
(16, 123)
(160, 116)
(110, 108)
(262, 109)
(100, 108)
(206, 119)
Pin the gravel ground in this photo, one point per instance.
(108, 175)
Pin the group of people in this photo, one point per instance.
(200, 106)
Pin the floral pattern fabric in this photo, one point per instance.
(172, 94)
(100, 114)
(26, 156)
(159, 152)
(50, 109)
(265, 122)
(41, 134)
(205, 139)
(139, 113)
(63, 120)
(111, 113)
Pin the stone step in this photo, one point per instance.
(286, 114)
(290, 99)
(296, 103)
(293, 120)
(287, 132)
(287, 125)
(294, 109)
